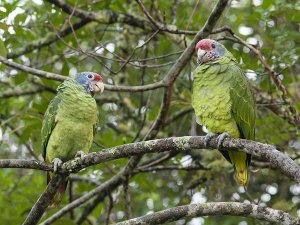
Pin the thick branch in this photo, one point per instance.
(25, 164)
(263, 152)
(215, 209)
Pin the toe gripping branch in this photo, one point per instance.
(56, 164)
(220, 138)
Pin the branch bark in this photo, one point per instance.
(263, 152)
(46, 41)
(58, 77)
(102, 16)
(101, 191)
(17, 93)
(44, 201)
(215, 209)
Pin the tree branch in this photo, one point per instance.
(18, 93)
(44, 201)
(168, 167)
(175, 71)
(263, 152)
(103, 16)
(58, 77)
(189, 51)
(101, 191)
(45, 41)
(168, 81)
(215, 209)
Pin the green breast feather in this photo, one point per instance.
(222, 98)
(69, 123)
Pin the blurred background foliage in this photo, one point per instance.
(270, 25)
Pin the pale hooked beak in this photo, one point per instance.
(99, 86)
(200, 54)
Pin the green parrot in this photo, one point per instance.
(69, 123)
(223, 101)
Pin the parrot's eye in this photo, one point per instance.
(213, 45)
(90, 76)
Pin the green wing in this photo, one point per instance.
(243, 104)
(49, 122)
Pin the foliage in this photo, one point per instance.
(271, 26)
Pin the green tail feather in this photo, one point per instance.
(60, 191)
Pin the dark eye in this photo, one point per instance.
(90, 76)
(213, 45)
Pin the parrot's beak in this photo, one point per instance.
(200, 53)
(99, 86)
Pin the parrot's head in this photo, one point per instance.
(209, 50)
(92, 82)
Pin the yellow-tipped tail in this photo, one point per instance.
(239, 161)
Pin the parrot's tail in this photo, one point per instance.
(239, 161)
(60, 191)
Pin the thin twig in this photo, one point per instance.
(110, 207)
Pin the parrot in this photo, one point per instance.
(69, 123)
(223, 102)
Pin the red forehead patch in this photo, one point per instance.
(97, 77)
(204, 44)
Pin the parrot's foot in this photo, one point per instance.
(56, 163)
(221, 138)
(80, 154)
(207, 138)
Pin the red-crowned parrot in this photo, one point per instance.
(223, 101)
(69, 123)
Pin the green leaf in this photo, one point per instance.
(2, 49)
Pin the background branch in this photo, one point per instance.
(215, 209)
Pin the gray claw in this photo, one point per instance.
(80, 154)
(221, 138)
(56, 163)
(207, 138)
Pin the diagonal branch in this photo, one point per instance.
(101, 191)
(189, 51)
(44, 201)
(215, 209)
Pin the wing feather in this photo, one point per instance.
(49, 122)
(243, 104)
